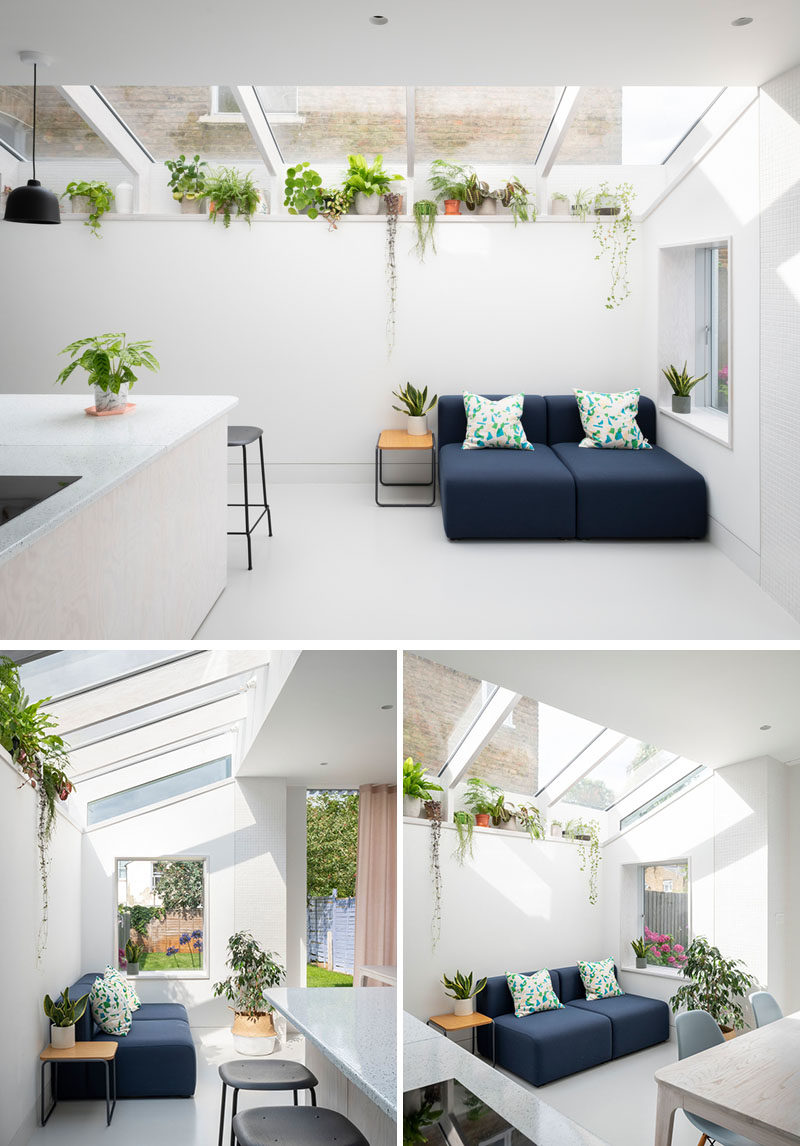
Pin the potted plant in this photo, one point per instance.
(530, 821)
(682, 385)
(464, 823)
(481, 799)
(109, 360)
(518, 199)
(41, 756)
(133, 955)
(586, 832)
(93, 198)
(231, 193)
(333, 203)
(254, 971)
(640, 949)
(503, 815)
(716, 985)
(367, 183)
(461, 989)
(414, 401)
(424, 212)
(187, 182)
(417, 787)
(302, 190)
(557, 829)
(582, 205)
(64, 1014)
(478, 197)
(414, 1124)
(449, 182)
(559, 203)
(614, 237)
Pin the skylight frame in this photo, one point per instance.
(166, 801)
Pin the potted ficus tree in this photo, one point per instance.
(187, 182)
(254, 970)
(109, 360)
(463, 991)
(681, 384)
(367, 183)
(716, 985)
(93, 198)
(415, 406)
(417, 787)
(64, 1014)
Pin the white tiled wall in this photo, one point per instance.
(260, 862)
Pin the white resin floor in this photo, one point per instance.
(164, 1121)
(340, 568)
(617, 1101)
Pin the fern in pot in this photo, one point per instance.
(415, 406)
(231, 193)
(253, 972)
(462, 990)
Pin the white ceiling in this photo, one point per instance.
(330, 709)
(707, 706)
(250, 41)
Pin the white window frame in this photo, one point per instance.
(707, 326)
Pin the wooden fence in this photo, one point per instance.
(667, 913)
(331, 932)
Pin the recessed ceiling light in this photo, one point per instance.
(386, 707)
(764, 727)
(379, 19)
(323, 763)
(741, 21)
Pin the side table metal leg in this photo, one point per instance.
(473, 1040)
(107, 1065)
(313, 1096)
(222, 1113)
(494, 1044)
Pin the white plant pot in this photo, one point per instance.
(487, 207)
(463, 1006)
(367, 204)
(254, 1036)
(108, 400)
(412, 806)
(193, 206)
(81, 205)
(62, 1037)
(417, 426)
(559, 207)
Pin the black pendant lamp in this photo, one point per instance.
(33, 203)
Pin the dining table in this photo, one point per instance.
(749, 1084)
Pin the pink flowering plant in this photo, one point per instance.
(663, 950)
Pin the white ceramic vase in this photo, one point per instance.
(463, 1006)
(62, 1038)
(487, 207)
(418, 425)
(105, 400)
(367, 204)
(412, 806)
(559, 207)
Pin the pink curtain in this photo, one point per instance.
(376, 877)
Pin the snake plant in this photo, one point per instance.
(461, 986)
(65, 1011)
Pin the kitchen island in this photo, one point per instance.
(351, 1046)
(136, 547)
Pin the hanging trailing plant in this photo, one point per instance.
(392, 202)
(42, 758)
(436, 872)
(464, 822)
(425, 221)
(615, 236)
(586, 833)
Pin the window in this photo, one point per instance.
(510, 759)
(162, 904)
(483, 125)
(440, 705)
(619, 773)
(712, 297)
(325, 124)
(664, 897)
(131, 800)
(667, 794)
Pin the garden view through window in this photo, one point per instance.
(161, 914)
(665, 912)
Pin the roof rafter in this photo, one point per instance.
(92, 108)
(256, 119)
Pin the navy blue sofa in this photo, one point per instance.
(552, 1044)
(558, 490)
(156, 1059)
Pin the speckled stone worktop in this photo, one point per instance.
(355, 1028)
(429, 1057)
(50, 434)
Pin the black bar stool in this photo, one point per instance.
(277, 1074)
(242, 436)
(295, 1126)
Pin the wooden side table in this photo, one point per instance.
(102, 1052)
(400, 440)
(451, 1022)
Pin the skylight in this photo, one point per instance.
(482, 124)
(158, 791)
(72, 671)
(60, 132)
(620, 772)
(331, 122)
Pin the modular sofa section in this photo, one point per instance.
(637, 1022)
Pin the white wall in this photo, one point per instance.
(296, 887)
(720, 198)
(517, 906)
(25, 984)
(292, 319)
(792, 914)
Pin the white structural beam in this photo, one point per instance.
(556, 132)
(256, 120)
(91, 107)
(494, 712)
(593, 755)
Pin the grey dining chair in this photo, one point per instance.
(765, 1008)
(697, 1031)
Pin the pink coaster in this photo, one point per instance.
(93, 412)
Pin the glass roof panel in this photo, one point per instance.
(171, 121)
(60, 132)
(696, 773)
(439, 707)
(483, 124)
(622, 770)
(510, 759)
(632, 125)
(562, 737)
(325, 124)
(71, 671)
(157, 791)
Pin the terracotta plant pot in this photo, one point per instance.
(482, 819)
(452, 206)
(254, 1036)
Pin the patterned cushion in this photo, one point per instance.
(532, 993)
(599, 979)
(609, 420)
(110, 1007)
(134, 1000)
(494, 424)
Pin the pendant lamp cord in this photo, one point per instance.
(33, 145)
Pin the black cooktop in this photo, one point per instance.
(449, 1113)
(18, 493)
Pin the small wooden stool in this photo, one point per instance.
(243, 436)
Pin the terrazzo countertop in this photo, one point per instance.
(429, 1057)
(50, 434)
(355, 1027)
